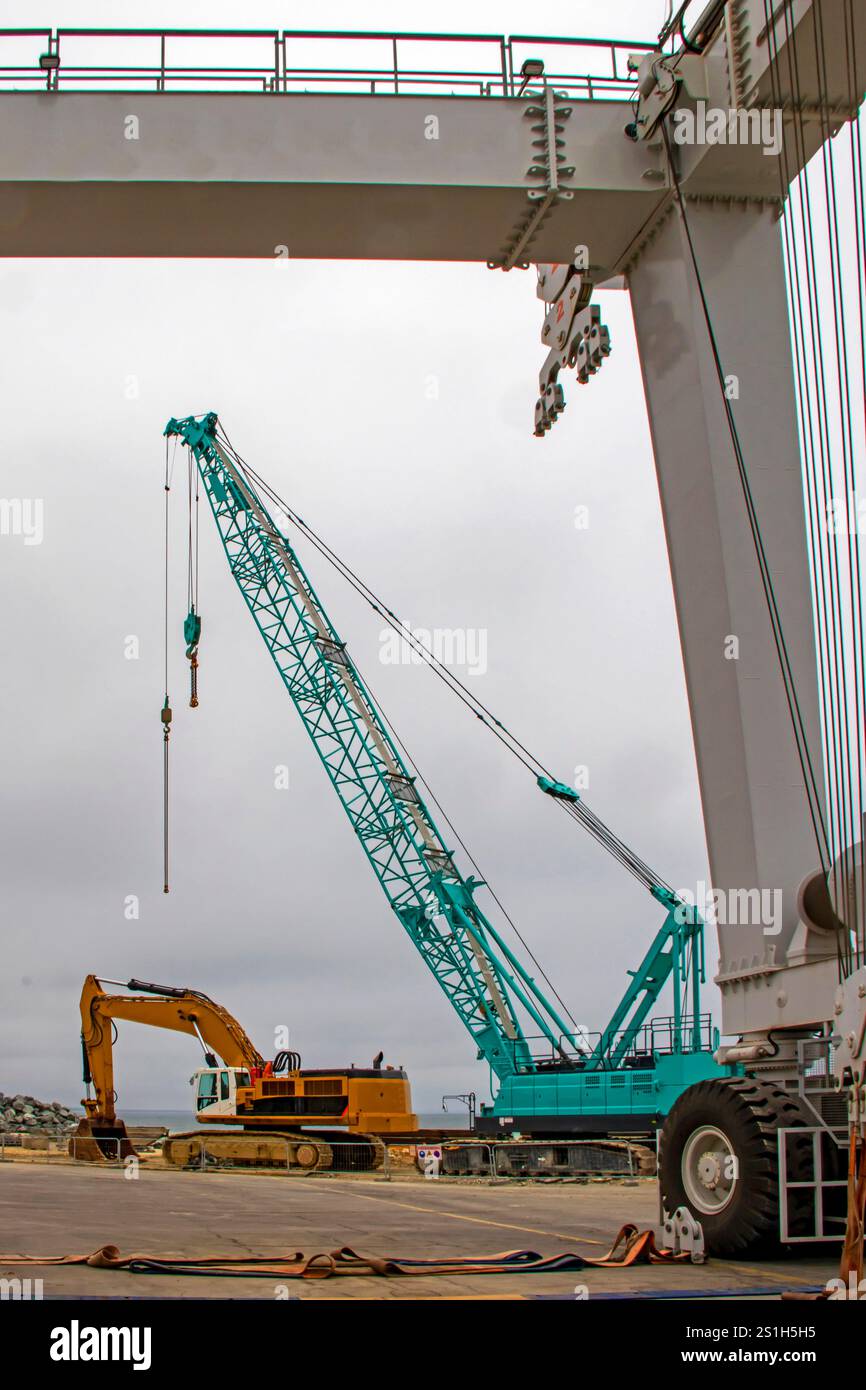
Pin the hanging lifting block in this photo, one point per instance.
(191, 628)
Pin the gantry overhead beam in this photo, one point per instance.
(186, 160)
(402, 147)
(326, 176)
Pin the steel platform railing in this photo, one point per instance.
(295, 62)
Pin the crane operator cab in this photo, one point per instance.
(216, 1089)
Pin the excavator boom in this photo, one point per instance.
(181, 1010)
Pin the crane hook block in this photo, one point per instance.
(191, 629)
(165, 715)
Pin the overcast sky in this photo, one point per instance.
(450, 509)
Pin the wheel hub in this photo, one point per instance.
(709, 1170)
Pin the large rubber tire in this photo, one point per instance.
(748, 1115)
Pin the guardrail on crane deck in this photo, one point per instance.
(296, 62)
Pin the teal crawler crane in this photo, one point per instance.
(548, 1078)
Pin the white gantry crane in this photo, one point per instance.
(697, 172)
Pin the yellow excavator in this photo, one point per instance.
(269, 1113)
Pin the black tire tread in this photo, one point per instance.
(763, 1108)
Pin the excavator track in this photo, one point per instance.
(309, 1152)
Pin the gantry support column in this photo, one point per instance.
(759, 832)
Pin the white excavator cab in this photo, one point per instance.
(216, 1090)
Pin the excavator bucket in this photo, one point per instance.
(98, 1142)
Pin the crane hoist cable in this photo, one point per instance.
(573, 806)
(192, 622)
(359, 586)
(165, 712)
(477, 867)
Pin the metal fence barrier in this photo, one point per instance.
(76, 1139)
(500, 1161)
(15, 1140)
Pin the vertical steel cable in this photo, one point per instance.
(804, 409)
(837, 578)
(825, 587)
(853, 596)
(844, 712)
(166, 709)
(854, 131)
(845, 630)
(579, 811)
(828, 637)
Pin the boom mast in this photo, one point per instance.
(483, 980)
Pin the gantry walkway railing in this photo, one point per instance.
(292, 62)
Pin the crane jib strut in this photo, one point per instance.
(481, 976)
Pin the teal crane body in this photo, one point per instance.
(544, 1071)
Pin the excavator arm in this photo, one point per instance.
(158, 1006)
